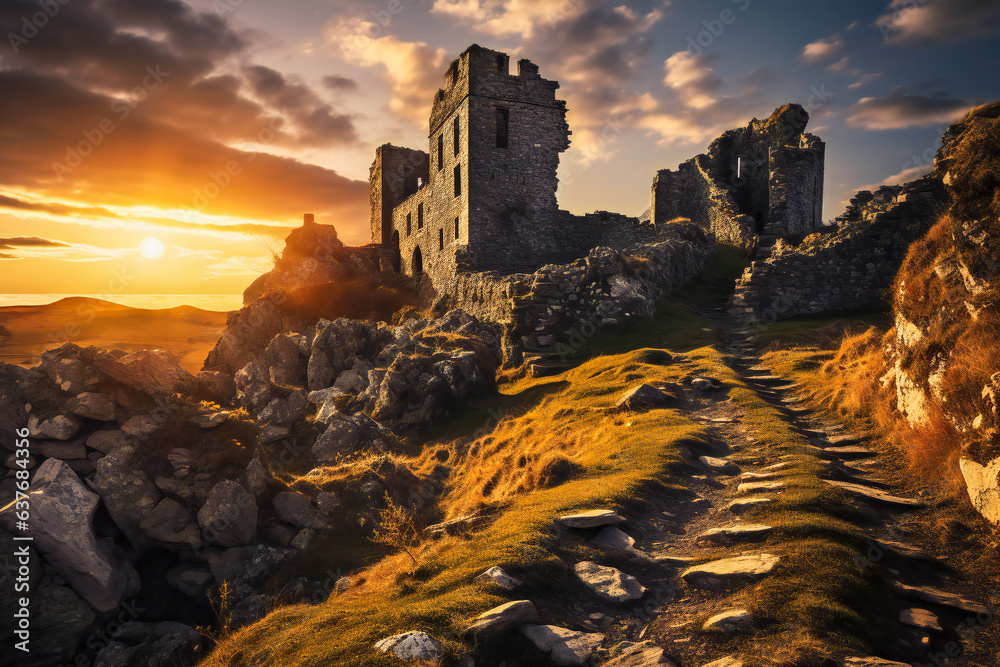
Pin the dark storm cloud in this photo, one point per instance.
(126, 97)
(901, 110)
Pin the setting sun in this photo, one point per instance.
(151, 248)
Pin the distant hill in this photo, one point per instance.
(186, 331)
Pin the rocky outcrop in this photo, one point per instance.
(844, 269)
(943, 353)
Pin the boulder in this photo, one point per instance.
(58, 427)
(735, 533)
(191, 579)
(498, 577)
(497, 622)
(156, 373)
(563, 647)
(721, 466)
(157, 645)
(126, 490)
(58, 623)
(110, 440)
(613, 539)
(729, 622)
(644, 654)
(172, 523)
(142, 427)
(643, 397)
(411, 646)
(298, 510)
(609, 583)
(982, 482)
(92, 405)
(61, 512)
(346, 434)
(591, 519)
(229, 516)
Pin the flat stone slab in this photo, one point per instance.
(873, 662)
(753, 487)
(843, 439)
(729, 572)
(609, 583)
(411, 646)
(761, 475)
(729, 622)
(564, 647)
(920, 618)
(877, 495)
(939, 597)
(737, 533)
(907, 550)
(779, 466)
(770, 380)
(743, 504)
(728, 661)
(850, 452)
(497, 622)
(721, 466)
(646, 654)
(591, 519)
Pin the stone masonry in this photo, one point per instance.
(763, 181)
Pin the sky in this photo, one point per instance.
(168, 146)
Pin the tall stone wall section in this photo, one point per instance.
(849, 269)
(762, 180)
(691, 192)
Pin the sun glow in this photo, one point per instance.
(151, 248)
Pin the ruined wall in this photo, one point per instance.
(763, 179)
(395, 174)
(691, 192)
(849, 269)
(543, 310)
(795, 188)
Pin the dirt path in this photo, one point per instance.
(815, 529)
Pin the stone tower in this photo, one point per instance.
(483, 197)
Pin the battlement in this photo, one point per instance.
(486, 73)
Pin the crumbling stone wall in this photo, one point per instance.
(765, 179)
(542, 310)
(849, 269)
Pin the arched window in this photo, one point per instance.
(417, 263)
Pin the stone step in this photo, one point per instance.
(742, 505)
(753, 487)
(877, 495)
(728, 573)
(848, 453)
(592, 519)
(735, 533)
(939, 597)
(769, 380)
(548, 369)
(761, 475)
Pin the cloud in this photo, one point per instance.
(28, 242)
(317, 123)
(864, 80)
(339, 84)
(238, 266)
(692, 78)
(901, 110)
(414, 70)
(521, 18)
(823, 50)
(941, 21)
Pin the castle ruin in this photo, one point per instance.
(482, 198)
